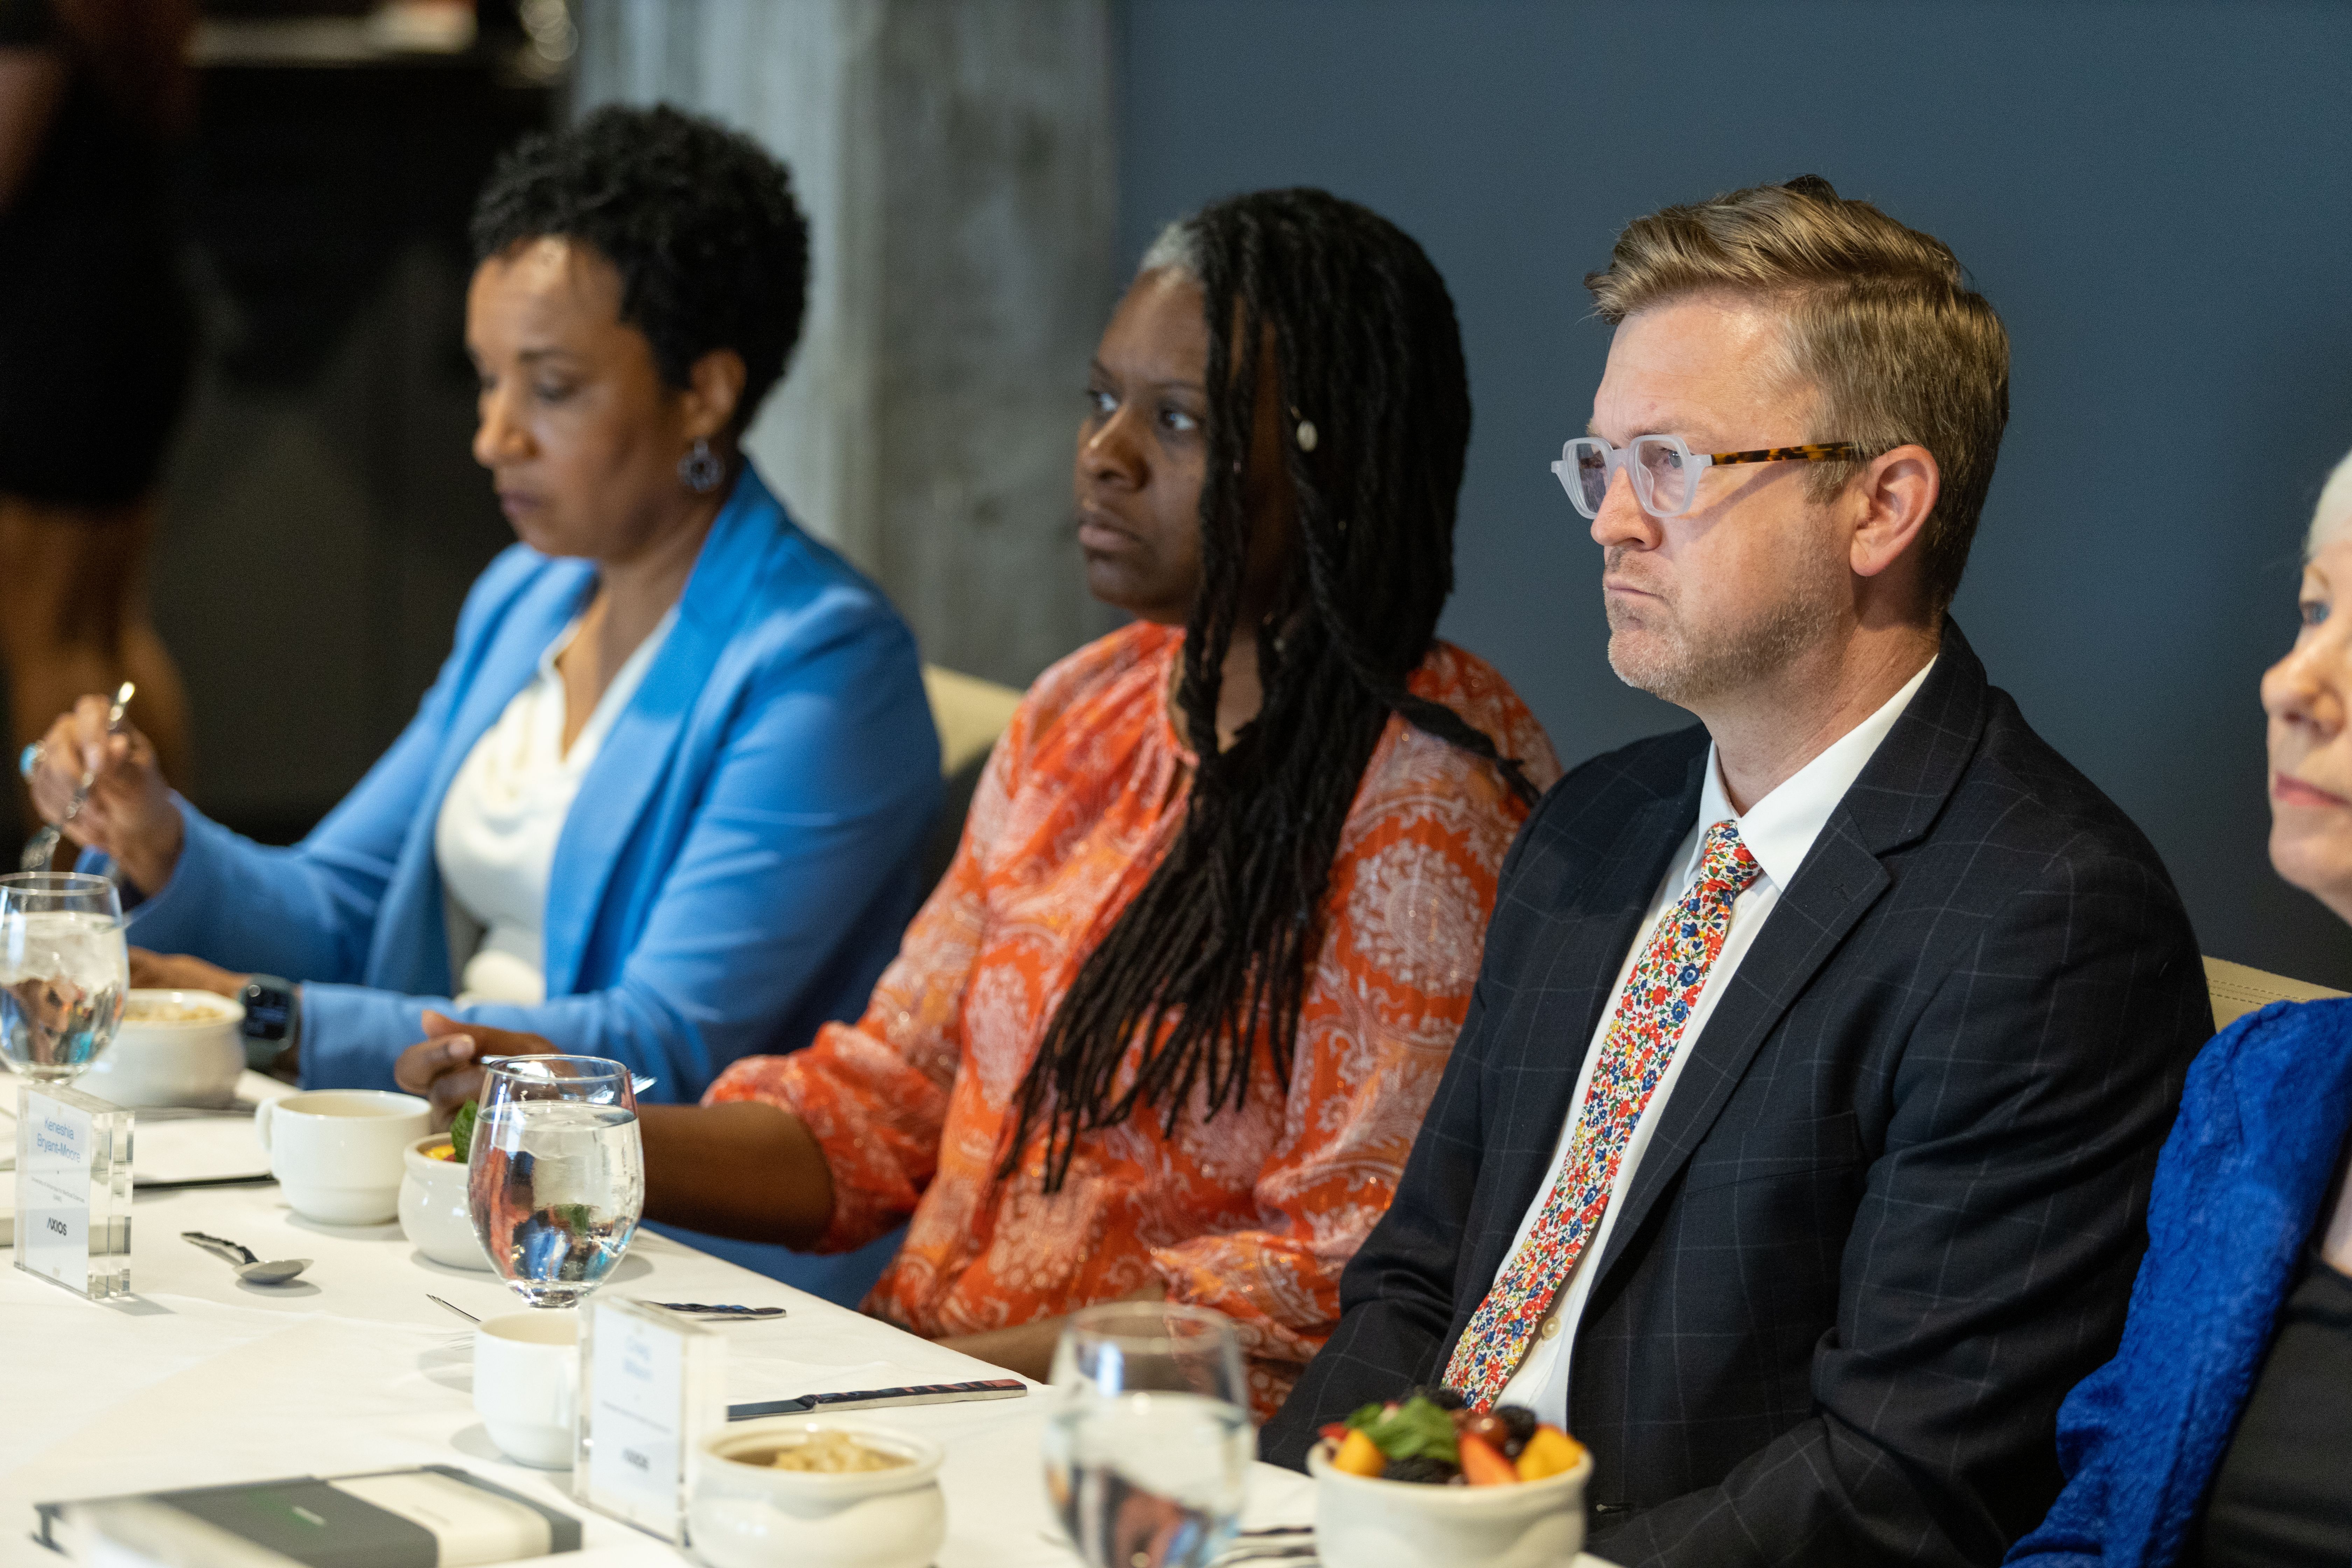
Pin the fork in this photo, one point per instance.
(43, 845)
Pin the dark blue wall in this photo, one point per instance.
(2156, 198)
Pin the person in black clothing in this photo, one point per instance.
(97, 342)
(2220, 1435)
(1794, 1152)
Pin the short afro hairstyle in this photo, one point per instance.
(699, 220)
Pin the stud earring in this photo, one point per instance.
(1305, 435)
(700, 469)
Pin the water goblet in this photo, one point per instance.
(1147, 1439)
(64, 970)
(555, 1174)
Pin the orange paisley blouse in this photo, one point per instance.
(1253, 1212)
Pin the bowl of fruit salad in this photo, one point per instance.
(1426, 1479)
(433, 1211)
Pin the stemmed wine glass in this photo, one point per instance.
(1148, 1440)
(64, 969)
(555, 1173)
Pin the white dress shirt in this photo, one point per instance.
(494, 840)
(1779, 831)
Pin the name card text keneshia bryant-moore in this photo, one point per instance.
(73, 1190)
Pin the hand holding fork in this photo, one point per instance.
(43, 845)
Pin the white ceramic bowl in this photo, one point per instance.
(433, 1211)
(1365, 1523)
(756, 1516)
(152, 1063)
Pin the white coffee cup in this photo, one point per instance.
(527, 1385)
(337, 1152)
(190, 1058)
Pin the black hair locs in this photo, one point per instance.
(699, 220)
(1210, 963)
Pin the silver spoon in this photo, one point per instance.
(44, 844)
(250, 1268)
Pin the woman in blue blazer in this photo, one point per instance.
(2220, 1435)
(666, 800)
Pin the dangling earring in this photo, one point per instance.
(700, 469)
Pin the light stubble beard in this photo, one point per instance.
(1688, 665)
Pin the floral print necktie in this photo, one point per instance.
(1643, 1036)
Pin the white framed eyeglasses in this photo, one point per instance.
(1666, 471)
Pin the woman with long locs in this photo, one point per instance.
(1169, 1025)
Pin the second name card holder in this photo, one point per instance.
(652, 1385)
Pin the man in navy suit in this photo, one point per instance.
(1795, 1153)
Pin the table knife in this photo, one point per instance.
(873, 1399)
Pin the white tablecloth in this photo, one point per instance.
(199, 1379)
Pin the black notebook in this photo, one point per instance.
(434, 1516)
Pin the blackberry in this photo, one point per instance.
(1444, 1398)
(1517, 1420)
(1421, 1468)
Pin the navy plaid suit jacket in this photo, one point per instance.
(1892, 1211)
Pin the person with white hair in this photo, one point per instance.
(2218, 1434)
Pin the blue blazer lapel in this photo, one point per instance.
(637, 752)
(409, 950)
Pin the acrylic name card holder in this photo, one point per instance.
(73, 1190)
(652, 1387)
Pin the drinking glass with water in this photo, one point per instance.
(555, 1175)
(1147, 1444)
(64, 969)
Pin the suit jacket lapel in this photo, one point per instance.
(509, 665)
(1892, 803)
(638, 750)
(409, 949)
(1838, 881)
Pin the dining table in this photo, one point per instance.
(199, 1378)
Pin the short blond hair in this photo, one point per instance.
(1880, 320)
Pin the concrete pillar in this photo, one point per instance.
(957, 165)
